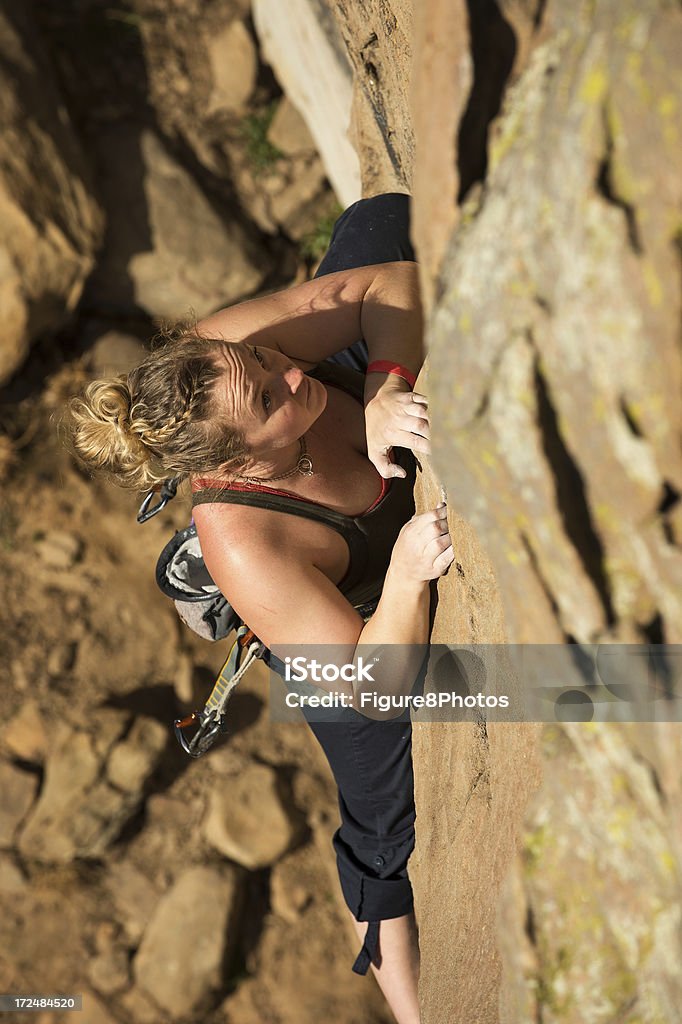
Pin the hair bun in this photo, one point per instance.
(103, 437)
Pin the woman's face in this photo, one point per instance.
(272, 401)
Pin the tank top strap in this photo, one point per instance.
(348, 527)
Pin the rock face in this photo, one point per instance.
(50, 224)
(559, 326)
(301, 42)
(548, 878)
(378, 42)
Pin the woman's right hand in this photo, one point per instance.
(423, 550)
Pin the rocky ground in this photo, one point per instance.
(158, 887)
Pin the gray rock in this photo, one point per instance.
(18, 789)
(248, 820)
(179, 961)
(554, 380)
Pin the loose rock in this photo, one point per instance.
(58, 549)
(301, 48)
(134, 896)
(182, 681)
(50, 225)
(94, 1011)
(139, 1007)
(290, 203)
(25, 734)
(249, 822)
(114, 353)
(18, 790)
(109, 972)
(78, 813)
(289, 899)
(133, 761)
(195, 260)
(60, 659)
(234, 68)
(109, 724)
(288, 131)
(179, 962)
(11, 878)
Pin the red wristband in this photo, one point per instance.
(385, 366)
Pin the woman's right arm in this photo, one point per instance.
(291, 605)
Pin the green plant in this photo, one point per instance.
(315, 243)
(254, 131)
(128, 18)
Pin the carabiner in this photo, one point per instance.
(204, 737)
(168, 491)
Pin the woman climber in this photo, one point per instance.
(310, 388)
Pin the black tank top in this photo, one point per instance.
(370, 536)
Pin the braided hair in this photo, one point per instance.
(158, 421)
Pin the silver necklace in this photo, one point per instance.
(304, 466)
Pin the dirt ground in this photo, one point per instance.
(85, 631)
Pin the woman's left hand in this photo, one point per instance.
(396, 417)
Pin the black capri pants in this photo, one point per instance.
(371, 760)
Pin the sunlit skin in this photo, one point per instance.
(272, 401)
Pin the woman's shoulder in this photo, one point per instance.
(237, 527)
(241, 538)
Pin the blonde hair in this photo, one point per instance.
(159, 420)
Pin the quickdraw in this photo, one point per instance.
(211, 721)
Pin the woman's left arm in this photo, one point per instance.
(314, 320)
(319, 318)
